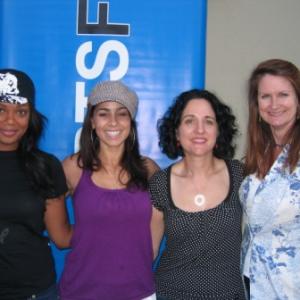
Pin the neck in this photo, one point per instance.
(280, 138)
(111, 157)
(198, 166)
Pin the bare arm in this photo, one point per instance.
(57, 222)
(157, 229)
(72, 172)
(56, 217)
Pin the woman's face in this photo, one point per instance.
(112, 123)
(198, 129)
(277, 103)
(14, 121)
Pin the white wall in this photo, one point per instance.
(240, 34)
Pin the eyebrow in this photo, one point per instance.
(5, 104)
(109, 109)
(280, 91)
(193, 116)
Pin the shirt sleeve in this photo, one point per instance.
(158, 190)
(58, 177)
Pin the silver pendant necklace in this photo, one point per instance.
(199, 200)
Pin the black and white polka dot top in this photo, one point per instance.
(201, 259)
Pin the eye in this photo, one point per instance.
(123, 113)
(283, 94)
(188, 121)
(209, 121)
(264, 96)
(101, 113)
(23, 112)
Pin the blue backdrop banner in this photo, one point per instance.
(156, 47)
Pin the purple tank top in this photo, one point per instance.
(111, 256)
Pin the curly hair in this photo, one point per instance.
(131, 162)
(171, 120)
(259, 158)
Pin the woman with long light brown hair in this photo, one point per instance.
(270, 192)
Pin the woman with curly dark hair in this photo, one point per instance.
(196, 201)
(32, 188)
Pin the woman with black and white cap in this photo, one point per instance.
(111, 255)
(32, 188)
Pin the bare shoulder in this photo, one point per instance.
(151, 166)
(72, 171)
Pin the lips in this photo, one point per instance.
(8, 132)
(199, 140)
(113, 133)
(275, 113)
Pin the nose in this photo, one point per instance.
(10, 117)
(199, 127)
(274, 102)
(113, 119)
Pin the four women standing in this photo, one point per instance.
(195, 200)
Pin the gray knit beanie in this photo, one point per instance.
(114, 91)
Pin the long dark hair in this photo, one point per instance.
(131, 162)
(259, 154)
(31, 159)
(170, 122)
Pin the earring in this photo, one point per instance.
(133, 138)
(93, 136)
(259, 118)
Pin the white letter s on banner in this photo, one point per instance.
(102, 54)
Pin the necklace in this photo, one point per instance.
(199, 200)
(279, 145)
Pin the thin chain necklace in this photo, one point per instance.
(279, 145)
(199, 198)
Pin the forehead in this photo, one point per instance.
(271, 82)
(109, 105)
(13, 106)
(198, 106)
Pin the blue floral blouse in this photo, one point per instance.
(271, 241)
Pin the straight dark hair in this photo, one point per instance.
(31, 158)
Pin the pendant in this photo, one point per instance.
(199, 200)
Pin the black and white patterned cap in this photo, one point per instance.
(16, 87)
(114, 90)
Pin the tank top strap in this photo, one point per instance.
(84, 179)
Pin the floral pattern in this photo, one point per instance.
(271, 240)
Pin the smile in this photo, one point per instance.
(275, 113)
(199, 140)
(113, 133)
(8, 132)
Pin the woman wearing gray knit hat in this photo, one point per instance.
(111, 255)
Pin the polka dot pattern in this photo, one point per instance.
(202, 255)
